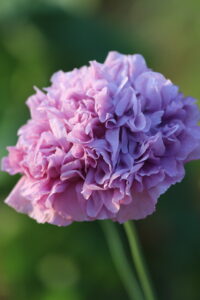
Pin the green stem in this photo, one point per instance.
(138, 260)
(120, 260)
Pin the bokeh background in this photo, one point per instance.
(37, 38)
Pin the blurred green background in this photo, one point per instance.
(37, 38)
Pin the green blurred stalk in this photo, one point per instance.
(138, 260)
(120, 260)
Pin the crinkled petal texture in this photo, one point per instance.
(103, 142)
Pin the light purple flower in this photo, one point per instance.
(103, 142)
